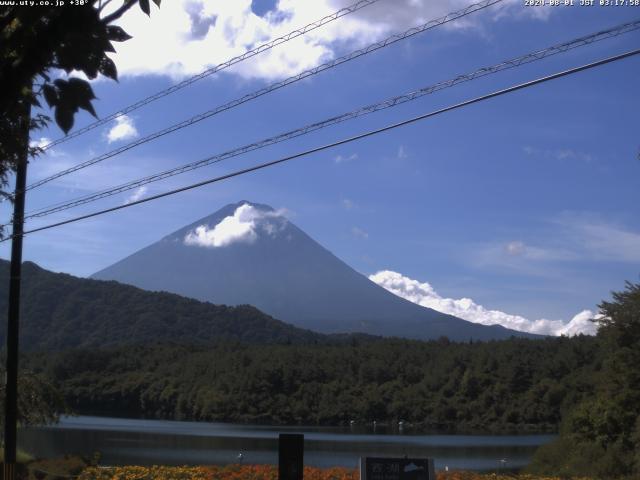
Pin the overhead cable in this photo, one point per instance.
(343, 141)
(388, 103)
(270, 88)
(210, 71)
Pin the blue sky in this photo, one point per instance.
(527, 204)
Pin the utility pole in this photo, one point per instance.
(13, 318)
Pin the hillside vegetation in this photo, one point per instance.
(499, 386)
(600, 435)
(60, 311)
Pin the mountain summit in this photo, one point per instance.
(247, 253)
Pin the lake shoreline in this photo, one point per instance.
(388, 425)
(165, 442)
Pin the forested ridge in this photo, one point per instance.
(60, 311)
(492, 386)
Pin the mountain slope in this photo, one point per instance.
(59, 311)
(250, 254)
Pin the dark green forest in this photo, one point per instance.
(495, 386)
(600, 435)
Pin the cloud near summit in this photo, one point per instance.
(465, 308)
(241, 227)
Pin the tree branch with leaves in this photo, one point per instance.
(39, 43)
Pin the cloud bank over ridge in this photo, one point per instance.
(465, 308)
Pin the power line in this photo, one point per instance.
(388, 103)
(343, 141)
(210, 71)
(274, 86)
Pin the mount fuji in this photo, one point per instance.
(247, 253)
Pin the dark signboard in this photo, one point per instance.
(385, 468)
(290, 456)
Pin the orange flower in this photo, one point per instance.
(264, 472)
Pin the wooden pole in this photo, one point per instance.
(13, 317)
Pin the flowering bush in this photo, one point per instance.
(229, 472)
(463, 475)
(145, 473)
(265, 472)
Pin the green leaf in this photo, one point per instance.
(50, 95)
(39, 121)
(108, 68)
(81, 87)
(109, 48)
(72, 95)
(145, 7)
(91, 61)
(80, 95)
(87, 105)
(117, 34)
(64, 118)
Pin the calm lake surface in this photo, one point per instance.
(146, 442)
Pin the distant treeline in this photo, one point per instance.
(496, 386)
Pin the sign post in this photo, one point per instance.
(386, 468)
(290, 456)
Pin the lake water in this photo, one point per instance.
(147, 442)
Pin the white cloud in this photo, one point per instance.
(515, 248)
(184, 37)
(560, 154)
(241, 227)
(568, 238)
(99, 176)
(345, 158)
(43, 142)
(580, 323)
(358, 232)
(517, 255)
(137, 194)
(124, 129)
(465, 308)
(517, 9)
(520, 250)
(402, 153)
(605, 241)
(348, 204)
(569, 154)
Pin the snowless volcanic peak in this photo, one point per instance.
(247, 253)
